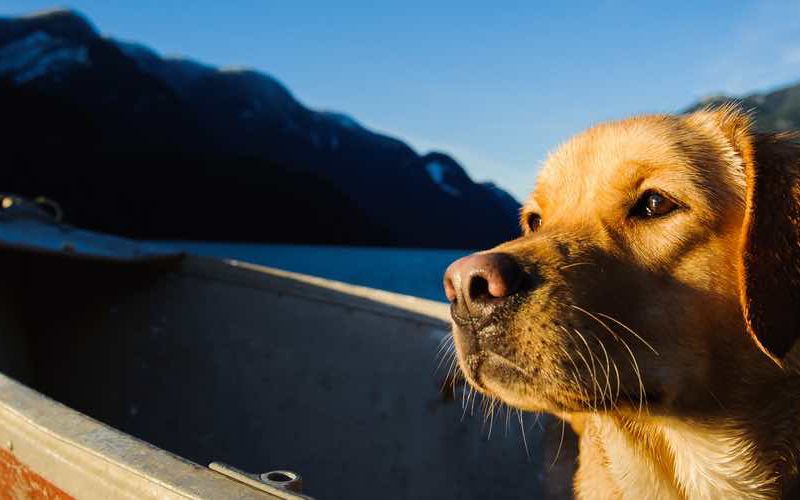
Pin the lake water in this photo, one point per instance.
(415, 272)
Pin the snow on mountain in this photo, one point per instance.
(436, 171)
(39, 54)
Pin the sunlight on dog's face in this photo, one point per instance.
(629, 256)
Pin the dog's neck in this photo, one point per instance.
(669, 459)
(754, 456)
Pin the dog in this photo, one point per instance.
(652, 301)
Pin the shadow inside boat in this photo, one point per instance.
(261, 370)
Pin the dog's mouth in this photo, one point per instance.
(473, 325)
(533, 389)
(518, 386)
(493, 374)
(544, 385)
(480, 348)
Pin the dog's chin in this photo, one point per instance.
(540, 388)
(539, 391)
(501, 379)
(498, 377)
(496, 380)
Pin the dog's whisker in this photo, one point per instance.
(454, 362)
(443, 346)
(575, 264)
(445, 341)
(574, 373)
(508, 417)
(560, 444)
(446, 346)
(582, 387)
(446, 349)
(457, 380)
(592, 400)
(451, 373)
(522, 430)
(603, 397)
(634, 363)
(616, 371)
(600, 388)
(484, 407)
(715, 398)
(642, 391)
(465, 400)
(537, 421)
(491, 418)
(591, 369)
(447, 360)
(444, 356)
(474, 397)
(607, 368)
(626, 327)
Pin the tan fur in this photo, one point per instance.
(664, 342)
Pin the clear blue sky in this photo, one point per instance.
(498, 86)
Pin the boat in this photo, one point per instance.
(133, 370)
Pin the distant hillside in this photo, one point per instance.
(773, 111)
(133, 143)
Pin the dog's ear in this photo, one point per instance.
(770, 246)
(769, 265)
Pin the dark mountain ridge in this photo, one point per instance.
(155, 147)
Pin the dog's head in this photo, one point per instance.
(658, 266)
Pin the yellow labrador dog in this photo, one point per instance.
(652, 301)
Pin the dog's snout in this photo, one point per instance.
(474, 281)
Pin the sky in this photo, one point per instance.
(497, 87)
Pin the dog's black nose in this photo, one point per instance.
(476, 283)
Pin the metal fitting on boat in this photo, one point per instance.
(284, 479)
(281, 483)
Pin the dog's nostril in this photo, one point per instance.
(479, 280)
(478, 288)
(449, 289)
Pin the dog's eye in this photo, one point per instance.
(653, 204)
(533, 222)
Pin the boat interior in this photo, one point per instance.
(221, 361)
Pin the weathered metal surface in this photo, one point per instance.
(264, 370)
(17, 481)
(81, 457)
(23, 225)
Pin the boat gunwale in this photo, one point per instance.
(81, 455)
(269, 279)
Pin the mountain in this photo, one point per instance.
(777, 110)
(133, 143)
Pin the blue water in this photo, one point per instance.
(408, 271)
